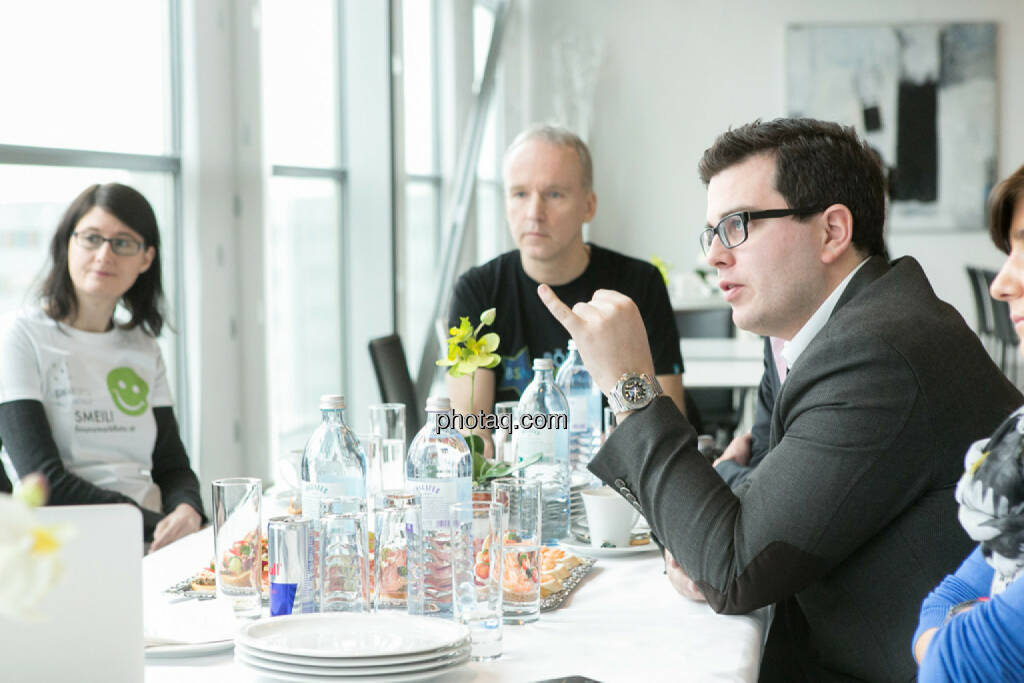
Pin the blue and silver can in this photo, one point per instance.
(290, 565)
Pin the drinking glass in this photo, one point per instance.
(344, 571)
(520, 547)
(237, 543)
(372, 448)
(477, 531)
(398, 555)
(387, 420)
(502, 437)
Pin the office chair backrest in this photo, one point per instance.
(710, 322)
(713, 409)
(983, 310)
(394, 380)
(5, 483)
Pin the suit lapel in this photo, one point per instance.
(876, 267)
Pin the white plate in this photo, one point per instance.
(413, 667)
(585, 549)
(189, 649)
(308, 678)
(353, 663)
(352, 635)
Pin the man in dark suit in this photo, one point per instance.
(849, 520)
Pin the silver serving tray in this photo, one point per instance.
(555, 600)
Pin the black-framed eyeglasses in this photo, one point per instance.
(122, 246)
(732, 229)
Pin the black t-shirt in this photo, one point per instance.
(528, 330)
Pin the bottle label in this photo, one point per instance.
(314, 492)
(436, 495)
(578, 416)
(531, 441)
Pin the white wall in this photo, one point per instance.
(677, 73)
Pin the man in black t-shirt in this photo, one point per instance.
(548, 197)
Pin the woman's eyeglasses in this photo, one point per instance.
(122, 246)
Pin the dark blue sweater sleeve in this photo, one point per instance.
(985, 643)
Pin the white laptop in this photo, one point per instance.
(92, 629)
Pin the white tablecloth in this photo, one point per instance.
(624, 622)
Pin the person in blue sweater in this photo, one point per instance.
(971, 627)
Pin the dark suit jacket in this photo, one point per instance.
(734, 473)
(850, 519)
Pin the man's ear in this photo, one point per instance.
(591, 207)
(838, 233)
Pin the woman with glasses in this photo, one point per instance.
(84, 398)
(971, 627)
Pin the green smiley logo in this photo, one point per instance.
(128, 391)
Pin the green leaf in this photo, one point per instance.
(487, 317)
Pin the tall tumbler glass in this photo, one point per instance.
(387, 420)
(520, 547)
(345, 569)
(398, 552)
(237, 543)
(372, 449)
(477, 532)
(503, 434)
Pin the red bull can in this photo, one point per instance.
(290, 565)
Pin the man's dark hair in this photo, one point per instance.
(817, 164)
(1001, 203)
(145, 299)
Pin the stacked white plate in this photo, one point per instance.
(386, 647)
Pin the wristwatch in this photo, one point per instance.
(633, 391)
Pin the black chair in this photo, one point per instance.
(718, 411)
(5, 483)
(394, 380)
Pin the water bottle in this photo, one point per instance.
(333, 463)
(585, 414)
(544, 405)
(440, 469)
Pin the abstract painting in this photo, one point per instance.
(923, 95)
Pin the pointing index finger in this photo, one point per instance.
(563, 314)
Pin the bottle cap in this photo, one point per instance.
(543, 364)
(572, 345)
(332, 402)
(438, 404)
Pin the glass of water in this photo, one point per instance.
(387, 421)
(477, 531)
(344, 568)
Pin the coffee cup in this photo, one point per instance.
(610, 518)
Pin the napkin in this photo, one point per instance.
(189, 623)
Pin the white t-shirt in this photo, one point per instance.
(98, 390)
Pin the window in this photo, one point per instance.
(490, 204)
(86, 114)
(304, 245)
(423, 172)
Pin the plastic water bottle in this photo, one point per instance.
(440, 469)
(585, 414)
(544, 402)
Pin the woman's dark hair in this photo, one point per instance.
(145, 299)
(1001, 202)
(817, 164)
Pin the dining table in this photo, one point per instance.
(623, 622)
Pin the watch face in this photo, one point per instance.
(634, 390)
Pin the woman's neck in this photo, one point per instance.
(91, 315)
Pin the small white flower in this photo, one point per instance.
(30, 562)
